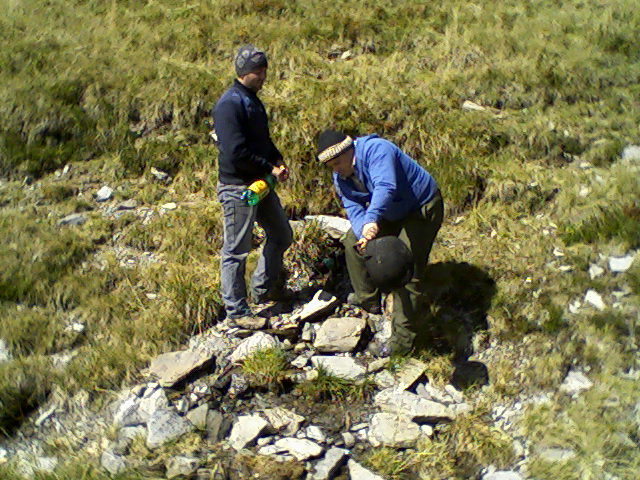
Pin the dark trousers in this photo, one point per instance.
(418, 231)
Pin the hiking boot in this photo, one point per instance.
(371, 307)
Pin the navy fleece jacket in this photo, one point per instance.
(241, 124)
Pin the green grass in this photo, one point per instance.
(113, 89)
(332, 388)
(266, 368)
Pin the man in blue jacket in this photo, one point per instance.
(247, 153)
(384, 192)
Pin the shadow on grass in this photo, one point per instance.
(458, 297)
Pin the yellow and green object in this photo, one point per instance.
(258, 190)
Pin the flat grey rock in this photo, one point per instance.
(336, 227)
(344, 367)
(326, 468)
(620, 264)
(339, 334)
(165, 426)
(104, 194)
(301, 449)
(198, 416)
(75, 219)
(250, 345)
(284, 420)
(409, 373)
(503, 475)
(575, 383)
(321, 304)
(245, 430)
(181, 466)
(113, 463)
(402, 402)
(5, 353)
(392, 430)
(358, 472)
(172, 367)
(557, 454)
(215, 422)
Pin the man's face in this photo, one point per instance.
(343, 164)
(254, 80)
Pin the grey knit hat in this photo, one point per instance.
(249, 59)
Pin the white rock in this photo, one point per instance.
(326, 468)
(159, 174)
(392, 430)
(402, 402)
(426, 430)
(198, 416)
(358, 472)
(409, 373)
(344, 367)
(112, 463)
(472, 106)
(631, 153)
(620, 264)
(256, 342)
(245, 430)
(181, 466)
(575, 383)
(152, 401)
(315, 433)
(301, 449)
(284, 420)
(321, 304)
(172, 367)
(336, 227)
(557, 454)
(594, 299)
(503, 475)
(169, 206)
(164, 426)
(384, 379)
(104, 194)
(454, 393)
(339, 334)
(75, 219)
(5, 354)
(595, 271)
(348, 439)
(126, 412)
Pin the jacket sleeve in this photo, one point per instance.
(381, 166)
(355, 211)
(229, 117)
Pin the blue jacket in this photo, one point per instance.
(241, 124)
(396, 184)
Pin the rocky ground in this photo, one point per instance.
(276, 432)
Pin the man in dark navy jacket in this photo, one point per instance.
(247, 153)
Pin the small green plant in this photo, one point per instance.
(330, 387)
(266, 368)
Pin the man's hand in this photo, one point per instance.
(370, 231)
(281, 172)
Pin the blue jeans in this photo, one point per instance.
(238, 228)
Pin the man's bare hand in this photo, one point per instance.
(281, 172)
(361, 245)
(370, 231)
